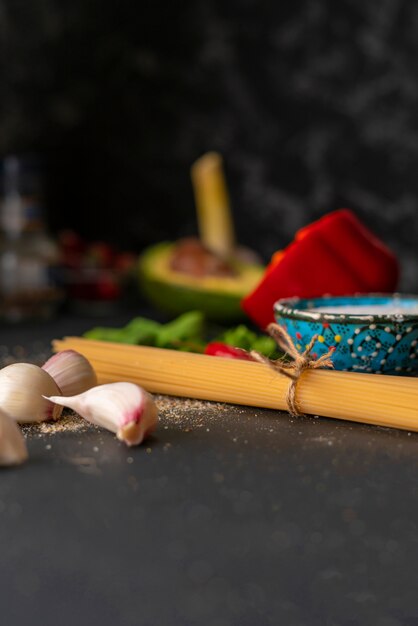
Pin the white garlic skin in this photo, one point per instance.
(123, 408)
(23, 388)
(71, 371)
(13, 449)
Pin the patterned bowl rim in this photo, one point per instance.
(290, 308)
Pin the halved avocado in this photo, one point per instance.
(176, 292)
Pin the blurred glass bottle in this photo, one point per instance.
(27, 254)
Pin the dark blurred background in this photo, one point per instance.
(314, 105)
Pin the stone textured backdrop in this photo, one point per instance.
(314, 105)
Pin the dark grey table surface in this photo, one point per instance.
(228, 516)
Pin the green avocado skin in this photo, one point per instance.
(178, 299)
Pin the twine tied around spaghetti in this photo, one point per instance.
(299, 363)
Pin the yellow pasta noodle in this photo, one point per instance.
(390, 401)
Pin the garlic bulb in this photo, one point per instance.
(123, 408)
(71, 371)
(23, 388)
(13, 449)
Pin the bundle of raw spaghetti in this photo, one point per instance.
(381, 400)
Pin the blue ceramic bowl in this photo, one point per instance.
(370, 333)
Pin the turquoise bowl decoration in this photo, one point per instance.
(370, 333)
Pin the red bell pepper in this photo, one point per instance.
(217, 348)
(336, 255)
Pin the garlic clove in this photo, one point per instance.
(23, 388)
(123, 408)
(71, 371)
(13, 449)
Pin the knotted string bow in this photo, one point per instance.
(299, 363)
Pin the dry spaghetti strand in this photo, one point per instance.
(390, 401)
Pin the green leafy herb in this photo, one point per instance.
(186, 333)
(243, 337)
(239, 337)
(267, 346)
(143, 331)
(188, 328)
(117, 335)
